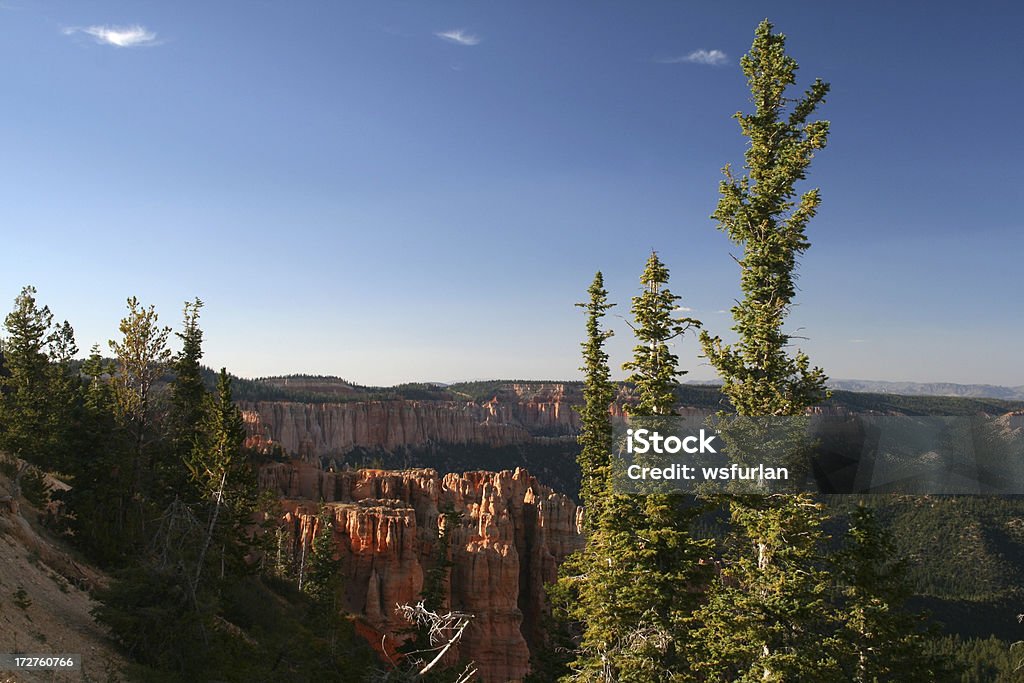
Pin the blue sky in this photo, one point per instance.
(420, 191)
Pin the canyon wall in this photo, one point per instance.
(312, 431)
(322, 430)
(510, 535)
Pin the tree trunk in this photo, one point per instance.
(219, 496)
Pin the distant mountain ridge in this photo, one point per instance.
(947, 389)
(320, 388)
(929, 389)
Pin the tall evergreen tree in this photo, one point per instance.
(188, 404)
(433, 592)
(760, 213)
(584, 594)
(595, 437)
(24, 399)
(655, 369)
(99, 500)
(631, 589)
(39, 388)
(322, 581)
(573, 595)
(221, 472)
(188, 392)
(667, 562)
(885, 641)
(142, 359)
(602, 592)
(64, 404)
(767, 619)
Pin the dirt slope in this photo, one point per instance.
(44, 600)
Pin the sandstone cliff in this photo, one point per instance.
(320, 430)
(516, 414)
(508, 543)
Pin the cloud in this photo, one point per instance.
(858, 341)
(118, 36)
(684, 309)
(706, 57)
(459, 37)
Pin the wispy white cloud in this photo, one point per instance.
(459, 37)
(859, 341)
(684, 309)
(118, 36)
(706, 57)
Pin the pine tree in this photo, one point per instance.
(655, 369)
(631, 589)
(188, 403)
(433, 592)
(667, 557)
(599, 590)
(39, 390)
(585, 594)
(595, 436)
(221, 473)
(25, 399)
(64, 397)
(760, 213)
(885, 641)
(188, 393)
(142, 358)
(99, 500)
(767, 619)
(322, 580)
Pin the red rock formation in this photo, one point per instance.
(512, 535)
(313, 430)
(318, 430)
(546, 409)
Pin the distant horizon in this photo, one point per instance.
(830, 382)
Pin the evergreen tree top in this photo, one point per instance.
(761, 213)
(655, 369)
